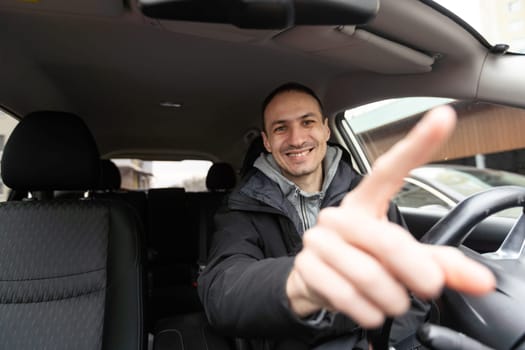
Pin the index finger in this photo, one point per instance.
(389, 170)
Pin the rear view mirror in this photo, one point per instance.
(264, 14)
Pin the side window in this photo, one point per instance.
(381, 124)
(7, 124)
(486, 149)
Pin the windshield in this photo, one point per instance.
(498, 21)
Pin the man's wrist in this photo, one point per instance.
(297, 295)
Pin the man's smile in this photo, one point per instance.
(299, 153)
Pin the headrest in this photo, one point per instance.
(254, 151)
(51, 151)
(221, 176)
(109, 176)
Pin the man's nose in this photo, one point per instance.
(297, 136)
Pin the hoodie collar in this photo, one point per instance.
(268, 166)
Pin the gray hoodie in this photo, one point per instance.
(307, 204)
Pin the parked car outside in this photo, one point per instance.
(441, 187)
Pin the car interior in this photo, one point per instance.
(88, 264)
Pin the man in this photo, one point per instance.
(303, 254)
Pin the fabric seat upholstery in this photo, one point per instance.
(220, 180)
(70, 275)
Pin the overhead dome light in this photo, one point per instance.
(168, 104)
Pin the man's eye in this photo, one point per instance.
(308, 122)
(279, 129)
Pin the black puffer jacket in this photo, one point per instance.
(243, 287)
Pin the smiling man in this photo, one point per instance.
(296, 135)
(304, 257)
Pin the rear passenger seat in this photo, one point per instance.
(179, 254)
(110, 187)
(172, 242)
(180, 225)
(221, 179)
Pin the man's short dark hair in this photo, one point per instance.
(290, 86)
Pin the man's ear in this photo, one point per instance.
(266, 143)
(327, 128)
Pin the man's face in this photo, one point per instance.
(296, 134)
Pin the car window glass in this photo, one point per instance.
(487, 148)
(456, 180)
(413, 196)
(7, 124)
(139, 174)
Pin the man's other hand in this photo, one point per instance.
(356, 262)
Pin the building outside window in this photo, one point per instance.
(7, 124)
(514, 5)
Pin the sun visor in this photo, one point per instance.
(356, 48)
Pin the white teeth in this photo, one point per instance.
(298, 154)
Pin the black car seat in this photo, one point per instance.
(221, 177)
(109, 181)
(109, 186)
(191, 330)
(253, 152)
(179, 227)
(220, 180)
(110, 178)
(70, 273)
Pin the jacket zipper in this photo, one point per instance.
(306, 223)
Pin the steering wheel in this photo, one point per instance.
(496, 320)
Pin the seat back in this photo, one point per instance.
(110, 178)
(179, 227)
(220, 180)
(171, 224)
(109, 187)
(172, 241)
(185, 328)
(70, 275)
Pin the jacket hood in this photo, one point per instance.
(258, 192)
(306, 204)
(267, 164)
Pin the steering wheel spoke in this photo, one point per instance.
(498, 318)
(512, 246)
